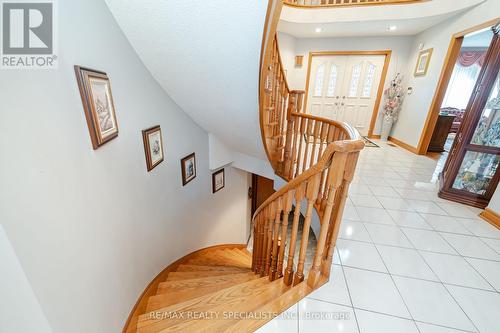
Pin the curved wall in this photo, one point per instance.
(92, 228)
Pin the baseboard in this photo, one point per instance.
(491, 217)
(398, 142)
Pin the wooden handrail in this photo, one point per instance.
(339, 146)
(345, 3)
(317, 157)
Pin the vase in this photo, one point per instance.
(386, 128)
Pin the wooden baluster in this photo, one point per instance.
(254, 243)
(276, 240)
(303, 126)
(322, 138)
(331, 134)
(296, 126)
(311, 195)
(337, 178)
(317, 127)
(300, 101)
(258, 248)
(336, 218)
(288, 146)
(299, 196)
(269, 240)
(324, 131)
(287, 208)
(265, 227)
(255, 240)
(306, 152)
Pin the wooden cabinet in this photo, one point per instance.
(441, 131)
(471, 173)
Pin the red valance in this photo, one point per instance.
(469, 58)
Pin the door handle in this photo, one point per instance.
(343, 97)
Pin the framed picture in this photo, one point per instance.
(218, 180)
(188, 168)
(423, 61)
(95, 90)
(153, 146)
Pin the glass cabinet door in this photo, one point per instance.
(481, 158)
(471, 174)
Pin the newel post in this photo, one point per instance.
(336, 177)
(336, 218)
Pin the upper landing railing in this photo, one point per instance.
(345, 3)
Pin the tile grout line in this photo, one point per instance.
(443, 285)
(420, 279)
(348, 291)
(391, 315)
(410, 248)
(394, 282)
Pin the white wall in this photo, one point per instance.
(494, 204)
(290, 46)
(92, 228)
(415, 109)
(19, 307)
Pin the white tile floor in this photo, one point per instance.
(407, 261)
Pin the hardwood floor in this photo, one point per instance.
(214, 291)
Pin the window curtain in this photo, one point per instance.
(470, 58)
(463, 79)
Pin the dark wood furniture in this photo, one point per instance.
(459, 117)
(441, 131)
(471, 173)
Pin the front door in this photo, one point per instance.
(345, 87)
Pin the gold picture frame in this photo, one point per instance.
(423, 62)
(98, 104)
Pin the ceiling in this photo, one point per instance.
(410, 19)
(205, 55)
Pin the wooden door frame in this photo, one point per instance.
(444, 80)
(383, 77)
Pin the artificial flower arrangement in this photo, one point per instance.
(394, 97)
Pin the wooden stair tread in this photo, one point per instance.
(179, 285)
(277, 306)
(245, 253)
(225, 258)
(164, 299)
(238, 256)
(262, 295)
(194, 268)
(174, 276)
(243, 295)
(215, 262)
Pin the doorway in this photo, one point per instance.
(347, 86)
(452, 56)
(460, 88)
(471, 173)
(262, 188)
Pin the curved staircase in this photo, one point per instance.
(226, 288)
(214, 290)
